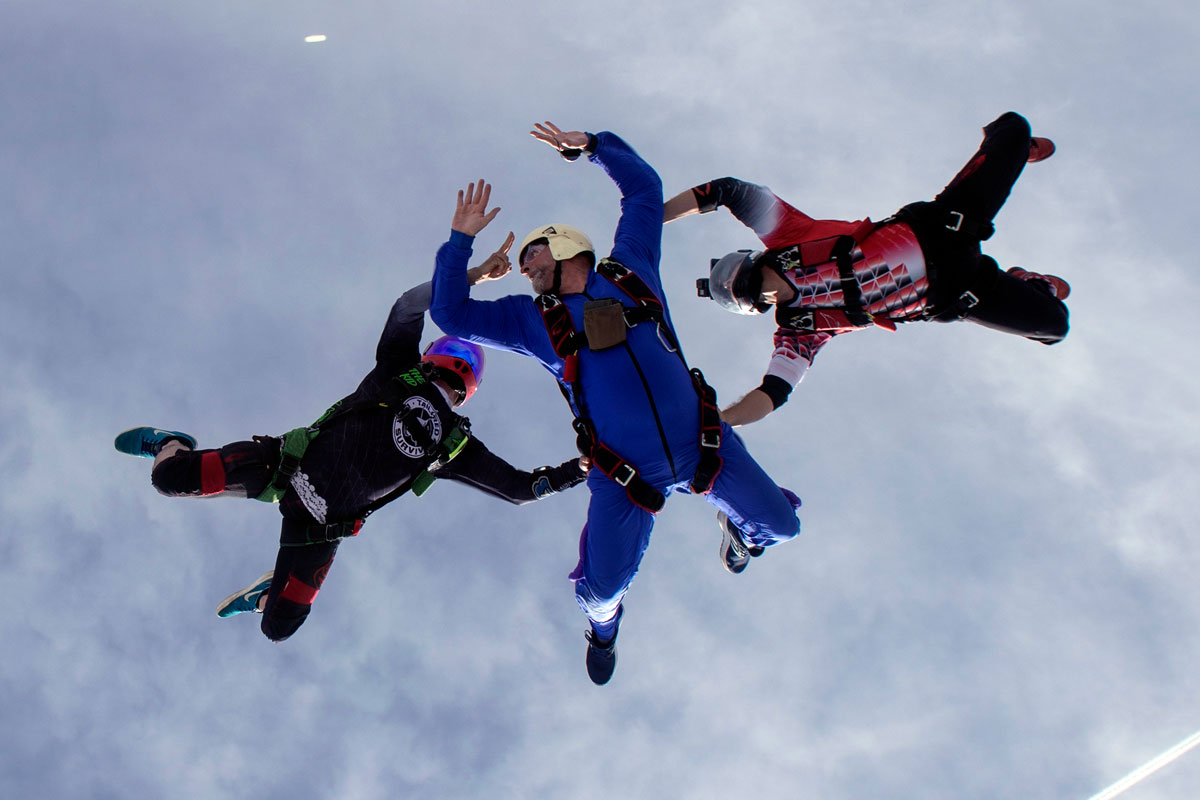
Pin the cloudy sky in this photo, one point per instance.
(204, 221)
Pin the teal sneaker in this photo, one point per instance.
(245, 600)
(146, 442)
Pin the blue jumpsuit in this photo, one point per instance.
(641, 398)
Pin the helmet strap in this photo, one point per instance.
(452, 382)
(556, 287)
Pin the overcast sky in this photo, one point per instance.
(203, 224)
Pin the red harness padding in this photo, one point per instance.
(298, 591)
(212, 473)
(568, 341)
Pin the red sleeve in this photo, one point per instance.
(794, 226)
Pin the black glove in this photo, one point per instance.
(551, 480)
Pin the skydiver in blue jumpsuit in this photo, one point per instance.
(638, 394)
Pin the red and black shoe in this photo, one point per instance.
(1054, 285)
(1040, 148)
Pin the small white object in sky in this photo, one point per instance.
(1150, 767)
(316, 37)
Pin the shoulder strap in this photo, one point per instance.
(557, 318)
(451, 445)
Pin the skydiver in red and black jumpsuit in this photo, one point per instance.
(371, 448)
(828, 277)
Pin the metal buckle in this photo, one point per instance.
(662, 338)
(956, 225)
(615, 268)
(630, 474)
(715, 440)
(969, 299)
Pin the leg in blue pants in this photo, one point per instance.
(610, 550)
(753, 501)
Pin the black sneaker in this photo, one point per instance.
(736, 552)
(601, 658)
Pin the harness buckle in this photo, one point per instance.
(711, 439)
(662, 337)
(956, 223)
(968, 299)
(624, 478)
(614, 268)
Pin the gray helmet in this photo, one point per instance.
(735, 283)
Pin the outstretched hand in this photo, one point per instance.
(471, 214)
(494, 266)
(552, 135)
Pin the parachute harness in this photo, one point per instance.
(295, 443)
(852, 313)
(936, 219)
(568, 342)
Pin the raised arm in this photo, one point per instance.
(638, 240)
(681, 205)
(754, 206)
(510, 323)
(776, 223)
(402, 332)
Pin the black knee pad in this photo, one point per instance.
(179, 475)
(282, 618)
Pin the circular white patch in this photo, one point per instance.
(420, 412)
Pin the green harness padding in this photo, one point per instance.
(296, 441)
(294, 444)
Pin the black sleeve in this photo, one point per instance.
(401, 339)
(479, 467)
(753, 205)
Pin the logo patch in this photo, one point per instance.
(541, 488)
(420, 412)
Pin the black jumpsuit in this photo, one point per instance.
(364, 456)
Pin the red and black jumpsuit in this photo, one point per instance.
(913, 266)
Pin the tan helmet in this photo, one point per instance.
(564, 240)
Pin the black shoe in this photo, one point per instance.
(736, 552)
(601, 658)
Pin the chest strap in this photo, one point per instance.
(843, 256)
(300, 535)
(852, 314)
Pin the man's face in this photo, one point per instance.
(538, 265)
